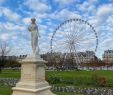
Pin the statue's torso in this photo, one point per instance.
(33, 28)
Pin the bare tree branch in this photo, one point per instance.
(4, 50)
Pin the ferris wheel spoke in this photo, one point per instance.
(76, 31)
(87, 32)
(70, 32)
(87, 37)
(66, 31)
(61, 48)
(90, 34)
(81, 34)
(77, 58)
(67, 36)
(85, 47)
(79, 30)
(86, 41)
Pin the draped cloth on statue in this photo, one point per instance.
(33, 28)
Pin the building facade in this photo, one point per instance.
(108, 56)
(86, 57)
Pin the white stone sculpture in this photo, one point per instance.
(32, 80)
(33, 28)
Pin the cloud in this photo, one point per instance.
(10, 31)
(104, 12)
(92, 1)
(8, 36)
(64, 14)
(87, 7)
(26, 20)
(65, 2)
(9, 14)
(4, 36)
(14, 28)
(8, 26)
(38, 6)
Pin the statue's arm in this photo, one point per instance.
(29, 28)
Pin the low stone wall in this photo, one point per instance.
(69, 89)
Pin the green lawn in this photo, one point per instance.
(63, 74)
(10, 74)
(7, 91)
(74, 74)
(80, 78)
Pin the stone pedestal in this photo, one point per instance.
(32, 80)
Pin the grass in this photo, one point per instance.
(4, 90)
(74, 74)
(63, 74)
(10, 74)
(81, 78)
(78, 78)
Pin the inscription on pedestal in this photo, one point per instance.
(28, 72)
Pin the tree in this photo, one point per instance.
(4, 51)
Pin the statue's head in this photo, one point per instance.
(33, 20)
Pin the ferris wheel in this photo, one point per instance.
(73, 37)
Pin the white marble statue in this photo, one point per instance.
(33, 28)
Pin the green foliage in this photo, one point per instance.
(68, 82)
(12, 63)
(54, 80)
(110, 84)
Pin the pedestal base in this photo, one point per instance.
(32, 78)
(40, 91)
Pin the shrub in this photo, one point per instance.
(54, 80)
(99, 80)
(102, 81)
(68, 82)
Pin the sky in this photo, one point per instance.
(15, 18)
